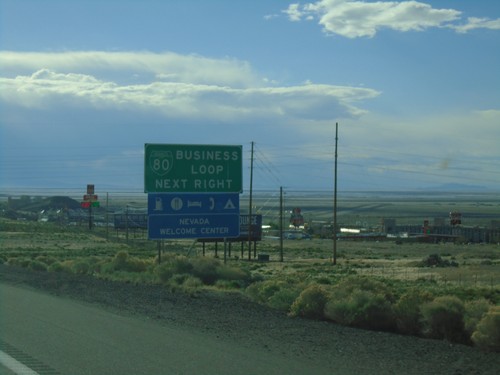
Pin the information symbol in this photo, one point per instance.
(176, 204)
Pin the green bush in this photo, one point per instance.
(310, 303)
(228, 284)
(36, 265)
(19, 262)
(180, 264)
(273, 293)
(123, 262)
(362, 309)
(352, 283)
(475, 311)
(233, 274)
(135, 265)
(80, 267)
(435, 260)
(55, 267)
(407, 310)
(164, 272)
(206, 269)
(184, 281)
(361, 302)
(192, 283)
(443, 318)
(262, 291)
(120, 260)
(46, 259)
(487, 334)
(284, 298)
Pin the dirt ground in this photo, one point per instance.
(234, 318)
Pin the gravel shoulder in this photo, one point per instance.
(234, 318)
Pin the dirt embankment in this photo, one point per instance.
(234, 318)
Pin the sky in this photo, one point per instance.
(413, 85)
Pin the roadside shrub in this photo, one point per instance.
(408, 313)
(180, 264)
(19, 262)
(233, 274)
(123, 262)
(55, 267)
(475, 311)
(352, 283)
(46, 259)
(185, 282)
(164, 272)
(135, 265)
(120, 260)
(80, 267)
(310, 303)
(435, 260)
(206, 269)
(443, 318)
(273, 293)
(362, 309)
(105, 267)
(36, 265)
(487, 334)
(262, 291)
(192, 282)
(284, 298)
(361, 302)
(228, 284)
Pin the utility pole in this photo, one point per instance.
(126, 223)
(107, 216)
(250, 207)
(90, 216)
(281, 223)
(335, 198)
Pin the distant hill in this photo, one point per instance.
(39, 204)
(456, 187)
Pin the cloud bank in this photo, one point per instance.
(355, 19)
(175, 86)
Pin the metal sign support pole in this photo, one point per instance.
(335, 198)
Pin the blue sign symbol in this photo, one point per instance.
(187, 203)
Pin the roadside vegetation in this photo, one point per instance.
(440, 291)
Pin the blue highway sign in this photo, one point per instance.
(193, 226)
(193, 203)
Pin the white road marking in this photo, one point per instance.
(15, 366)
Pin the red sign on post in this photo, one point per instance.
(85, 204)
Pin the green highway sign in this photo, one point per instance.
(192, 168)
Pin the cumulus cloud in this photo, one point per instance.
(354, 19)
(478, 23)
(175, 90)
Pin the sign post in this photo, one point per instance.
(89, 201)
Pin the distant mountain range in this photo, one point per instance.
(456, 187)
(50, 203)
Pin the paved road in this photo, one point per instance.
(63, 336)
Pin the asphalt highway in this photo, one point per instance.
(63, 336)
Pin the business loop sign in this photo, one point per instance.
(192, 168)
